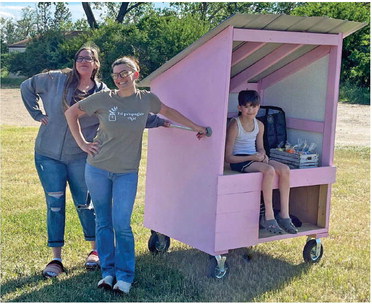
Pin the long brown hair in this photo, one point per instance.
(73, 77)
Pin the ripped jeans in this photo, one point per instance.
(54, 176)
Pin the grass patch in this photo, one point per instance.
(349, 93)
(11, 83)
(276, 272)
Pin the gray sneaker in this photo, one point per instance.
(106, 283)
(286, 224)
(122, 287)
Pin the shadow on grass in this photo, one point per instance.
(177, 276)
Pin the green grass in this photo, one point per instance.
(11, 83)
(276, 272)
(350, 93)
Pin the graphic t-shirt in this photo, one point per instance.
(122, 121)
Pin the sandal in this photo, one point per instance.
(271, 226)
(286, 224)
(53, 269)
(92, 261)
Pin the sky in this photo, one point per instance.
(13, 9)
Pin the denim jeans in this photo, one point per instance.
(113, 196)
(54, 176)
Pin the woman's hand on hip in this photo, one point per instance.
(44, 120)
(92, 148)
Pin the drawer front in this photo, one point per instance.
(237, 220)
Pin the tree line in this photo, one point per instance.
(155, 35)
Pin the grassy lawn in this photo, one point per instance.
(276, 272)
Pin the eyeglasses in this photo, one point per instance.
(86, 59)
(122, 74)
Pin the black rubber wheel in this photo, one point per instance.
(215, 272)
(158, 244)
(309, 253)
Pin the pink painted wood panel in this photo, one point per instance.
(181, 184)
(328, 206)
(237, 227)
(244, 51)
(305, 124)
(264, 63)
(248, 182)
(334, 69)
(284, 37)
(295, 66)
(238, 202)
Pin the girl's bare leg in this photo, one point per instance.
(267, 185)
(284, 172)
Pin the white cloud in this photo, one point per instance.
(9, 7)
(6, 15)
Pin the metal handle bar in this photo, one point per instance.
(208, 129)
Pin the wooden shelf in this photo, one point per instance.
(303, 230)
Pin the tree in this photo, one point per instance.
(356, 47)
(43, 52)
(114, 10)
(62, 17)
(27, 25)
(8, 30)
(90, 16)
(44, 16)
(215, 12)
(125, 9)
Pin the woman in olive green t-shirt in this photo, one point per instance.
(112, 165)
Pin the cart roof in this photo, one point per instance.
(324, 25)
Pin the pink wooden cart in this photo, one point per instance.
(191, 195)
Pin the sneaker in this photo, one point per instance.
(122, 287)
(106, 283)
(92, 261)
(286, 224)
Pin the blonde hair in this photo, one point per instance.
(73, 77)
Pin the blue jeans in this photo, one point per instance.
(113, 196)
(54, 176)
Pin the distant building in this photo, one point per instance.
(20, 46)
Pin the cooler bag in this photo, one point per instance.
(275, 132)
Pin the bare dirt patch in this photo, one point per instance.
(352, 129)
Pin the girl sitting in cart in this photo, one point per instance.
(245, 152)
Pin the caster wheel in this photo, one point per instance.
(158, 243)
(311, 254)
(217, 272)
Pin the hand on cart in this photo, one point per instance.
(201, 131)
(166, 124)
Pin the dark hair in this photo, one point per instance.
(249, 96)
(128, 61)
(73, 76)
